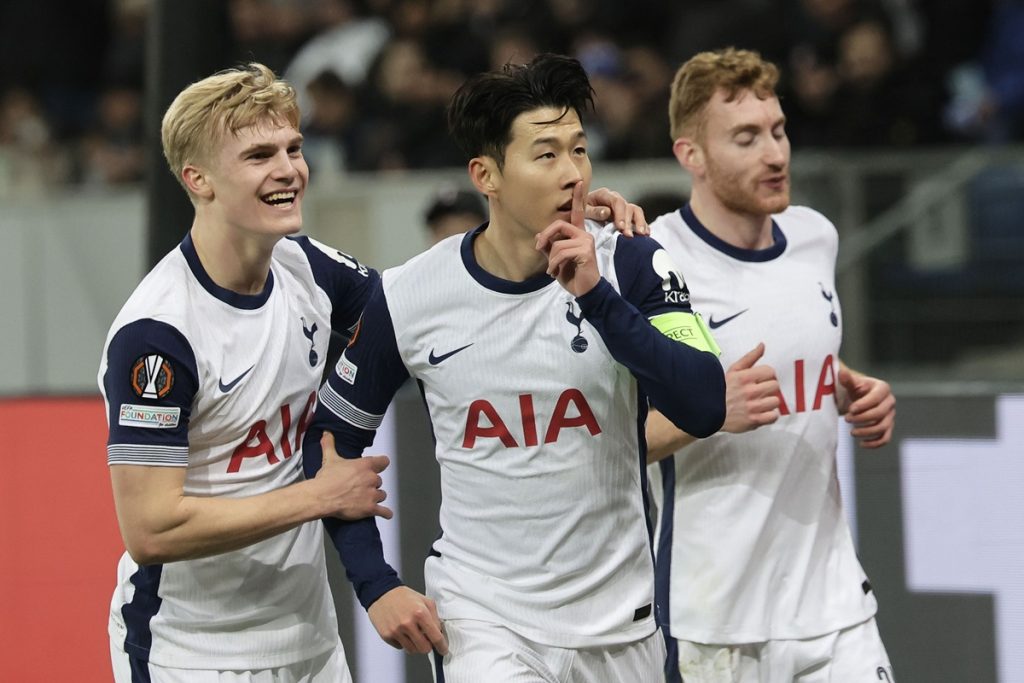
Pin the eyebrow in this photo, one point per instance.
(753, 127)
(268, 146)
(552, 140)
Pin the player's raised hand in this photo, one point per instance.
(570, 249)
(603, 205)
(352, 486)
(408, 621)
(751, 393)
(871, 407)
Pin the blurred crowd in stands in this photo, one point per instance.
(374, 75)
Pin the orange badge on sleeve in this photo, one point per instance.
(152, 376)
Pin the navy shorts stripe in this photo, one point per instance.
(438, 666)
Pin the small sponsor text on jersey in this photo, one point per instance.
(149, 417)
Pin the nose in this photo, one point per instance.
(776, 151)
(284, 166)
(572, 170)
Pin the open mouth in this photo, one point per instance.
(566, 207)
(280, 198)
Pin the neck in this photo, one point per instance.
(739, 228)
(509, 253)
(234, 261)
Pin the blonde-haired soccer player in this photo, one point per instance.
(210, 373)
(758, 580)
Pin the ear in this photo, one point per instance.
(197, 181)
(690, 155)
(485, 176)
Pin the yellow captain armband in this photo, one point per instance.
(688, 328)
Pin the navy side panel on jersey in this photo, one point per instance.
(144, 606)
(663, 567)
(347, 282)
(150, 383)
(686, 385)
(352, 405)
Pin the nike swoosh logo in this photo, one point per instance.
(434, 360)
(231, 385)
(715, 324)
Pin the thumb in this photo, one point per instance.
(846, 378)
(749, 358)
(327, 443)
(378, 463)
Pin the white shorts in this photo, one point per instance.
(852, 655)
(482, 651)
(329, 667)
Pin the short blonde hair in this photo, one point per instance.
(704, 74)
(227, 101)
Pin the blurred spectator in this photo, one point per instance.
(881, 100)
(270, 31)
(988, 95)
(659, 202)
(347, 45)
(402, 112)
(330, 125)
(29, 160)
(453, 211)
(111, 149)
(630, 120)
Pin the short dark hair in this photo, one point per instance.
(481, 112)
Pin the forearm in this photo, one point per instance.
(162, 524)
(684, 383)
(358, 542)
(663, 437)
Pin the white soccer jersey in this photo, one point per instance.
(538, 435)
(752, 541)
(224, 385)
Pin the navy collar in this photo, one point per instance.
(493, 282)
(244, 301)
(752, 255)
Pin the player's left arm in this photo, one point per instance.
(653, 333)
(868, 404)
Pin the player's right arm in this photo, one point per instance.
(148, 453)
(751, 400)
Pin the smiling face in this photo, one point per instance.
(745, 154)
(256, 178)
(545, 158)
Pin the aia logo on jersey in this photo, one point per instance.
(258, 444)
(579, 342)
(826, 386)
(484, 422)
(152, 377)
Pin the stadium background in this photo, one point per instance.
(932, 281)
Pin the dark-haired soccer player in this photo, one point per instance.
(537, 340)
